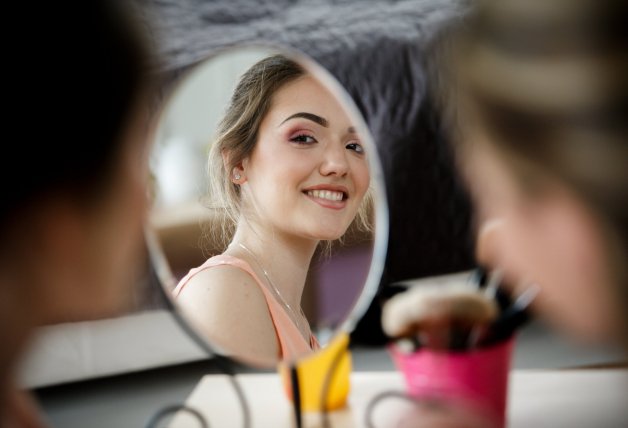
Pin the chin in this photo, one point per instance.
(324, 231)
(329, 236)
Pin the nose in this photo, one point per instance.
(334, 161)
(486, 247)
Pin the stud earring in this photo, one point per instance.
(237, 175)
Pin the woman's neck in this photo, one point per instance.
(284, 258)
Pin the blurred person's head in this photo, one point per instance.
(541, 96)
(75, 169)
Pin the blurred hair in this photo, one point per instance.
(237, 136)
(81, 77)
(547, 81)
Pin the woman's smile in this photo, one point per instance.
(328, 195)
(327, 199)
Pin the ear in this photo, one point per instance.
(236, 173)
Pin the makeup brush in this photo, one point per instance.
(512, 318)
(489, 289)
(440, 316)
(480, 277)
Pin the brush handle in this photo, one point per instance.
(505, 326)
(481, 277)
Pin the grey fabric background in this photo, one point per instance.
(379, 51)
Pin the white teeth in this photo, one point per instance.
(330, 195)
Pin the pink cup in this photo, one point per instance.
(476, 377)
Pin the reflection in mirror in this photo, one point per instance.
(267, 197)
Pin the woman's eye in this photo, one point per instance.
(357, 147)
(303, 139)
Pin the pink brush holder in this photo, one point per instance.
(476, 377)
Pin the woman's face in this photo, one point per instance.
(308, 173)
(550, 239)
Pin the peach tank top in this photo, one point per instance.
(291, 341)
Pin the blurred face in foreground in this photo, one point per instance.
(543, 234)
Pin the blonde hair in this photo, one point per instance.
(237, 135)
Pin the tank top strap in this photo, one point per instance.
(222, 259)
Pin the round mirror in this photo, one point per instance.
(269, 215)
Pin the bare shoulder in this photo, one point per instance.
(223, 286)
(228, 305)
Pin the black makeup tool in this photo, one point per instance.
(511, 319)
(512, 315)
(481, 276)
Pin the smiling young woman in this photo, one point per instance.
(288, 171)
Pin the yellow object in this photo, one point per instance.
(314, 371)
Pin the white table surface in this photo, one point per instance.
(537, 398)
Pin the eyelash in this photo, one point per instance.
(357, 147)
(299, 139)
(302, 139)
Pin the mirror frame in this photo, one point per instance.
(165, 277)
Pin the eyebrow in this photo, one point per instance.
(309, 116)
(317, 119)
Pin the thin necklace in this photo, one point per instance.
(275, 289)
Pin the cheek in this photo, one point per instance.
(575, 274)
(361, 177)
(528, 250)
(538, 246)
(134, 208)
(121, 248)
(564, 255)
(282, 172)
(555, 248)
